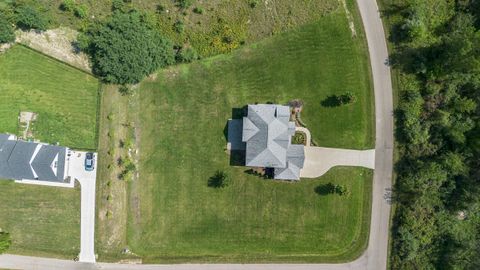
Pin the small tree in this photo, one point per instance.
(7, 33)
(5, 241)
(29, 17)
(219, 180)
(126, 47)
(347, 98)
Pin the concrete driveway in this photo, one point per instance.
(87, 179)
(318, 160)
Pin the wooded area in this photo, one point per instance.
(436, 55)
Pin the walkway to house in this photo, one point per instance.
(318, 160)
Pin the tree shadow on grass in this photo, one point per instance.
(325, 189)
(331, 101)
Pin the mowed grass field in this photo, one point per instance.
(175, 217)
(42, 221)
(64, 98)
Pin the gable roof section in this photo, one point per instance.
(266, 132)
(19, 161)
(48, 164)
(25, 160)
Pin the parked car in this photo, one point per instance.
(89, 162)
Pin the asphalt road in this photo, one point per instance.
(375, 257)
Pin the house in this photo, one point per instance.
(266, 136)
(21, 160)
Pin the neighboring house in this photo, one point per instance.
(266, 138)
(20, 160)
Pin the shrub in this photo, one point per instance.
(7, 33)
(253, 3)
(67, 5)
(178, 26)
(331, 188)
(184, 3)
(186, 55)
(219, 180)
(198, 10)
(29, 17)
(126, 47)
(124, 90)
(81, 11)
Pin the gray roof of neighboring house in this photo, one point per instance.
(25, 160)
(267, 131)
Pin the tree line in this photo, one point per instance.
(436, 55)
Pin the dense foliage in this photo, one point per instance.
(437, 57)
(125, 48)
(7, 33)
(29, 17)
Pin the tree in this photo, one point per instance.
(219, 180)
(7, 33)
(125, 48)
(29, 17)
(5, 241)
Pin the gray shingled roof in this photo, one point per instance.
(25, 160)
(267, 131)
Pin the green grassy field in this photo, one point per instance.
(42, 221)
(175, 217)
(236, 20)
(64, 98)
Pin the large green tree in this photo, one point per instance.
(126, 47)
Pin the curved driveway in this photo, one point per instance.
(375, 257)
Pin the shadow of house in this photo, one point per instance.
(233, 134)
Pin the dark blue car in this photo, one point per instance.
(89, 162)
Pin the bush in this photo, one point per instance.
(186, 55)
(184, 3)
(7, 33)
(253, 3)
(198, 10)
(331, 188)
(124, 90)
(81, 11)
(67, 5)
(179, 26)
(125, 48)
(219, 180)
(29, 17)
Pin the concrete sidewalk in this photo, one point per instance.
(318, 160)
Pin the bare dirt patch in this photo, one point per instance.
(57, 43)
(26, 119)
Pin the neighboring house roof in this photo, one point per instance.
(267, 131)
(25, 160)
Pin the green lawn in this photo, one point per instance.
(64, 98)
(42, 221)
(175, 217)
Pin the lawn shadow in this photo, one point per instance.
(331, 101)
(324, 189)
(237, 158)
